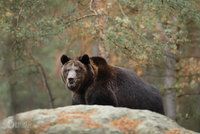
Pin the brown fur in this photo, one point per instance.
(104, 84)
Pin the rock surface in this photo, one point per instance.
(90, 120)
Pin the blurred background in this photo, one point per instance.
(158, 39)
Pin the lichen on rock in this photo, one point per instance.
(90, 119)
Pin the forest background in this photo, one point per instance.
(158, 39)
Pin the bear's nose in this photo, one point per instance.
(71, 80)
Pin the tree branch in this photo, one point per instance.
(91, 8)
(121, 9)
(188, 94)
(80, 18)
(44, 79)
(20, 11)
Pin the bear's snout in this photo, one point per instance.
(72, 83)
(71, 80)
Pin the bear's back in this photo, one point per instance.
(133, 92)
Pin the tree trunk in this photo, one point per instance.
(99, 7)
(9, 73)
(9, 69)
(169, 98)
(170, 93)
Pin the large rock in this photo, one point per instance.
(91, 120)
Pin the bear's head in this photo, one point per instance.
(77, 73)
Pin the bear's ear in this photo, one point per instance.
(64, 59)
(85, 59)
(99, 61)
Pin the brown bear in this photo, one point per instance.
(93, 81)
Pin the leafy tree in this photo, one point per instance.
(157, 38)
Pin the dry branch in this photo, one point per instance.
(44, 79)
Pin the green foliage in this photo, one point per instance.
(25, 27)
(156, 26)
(136, 31)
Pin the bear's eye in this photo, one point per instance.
(66, 71)
(76, 70)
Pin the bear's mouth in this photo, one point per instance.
(71, 85)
